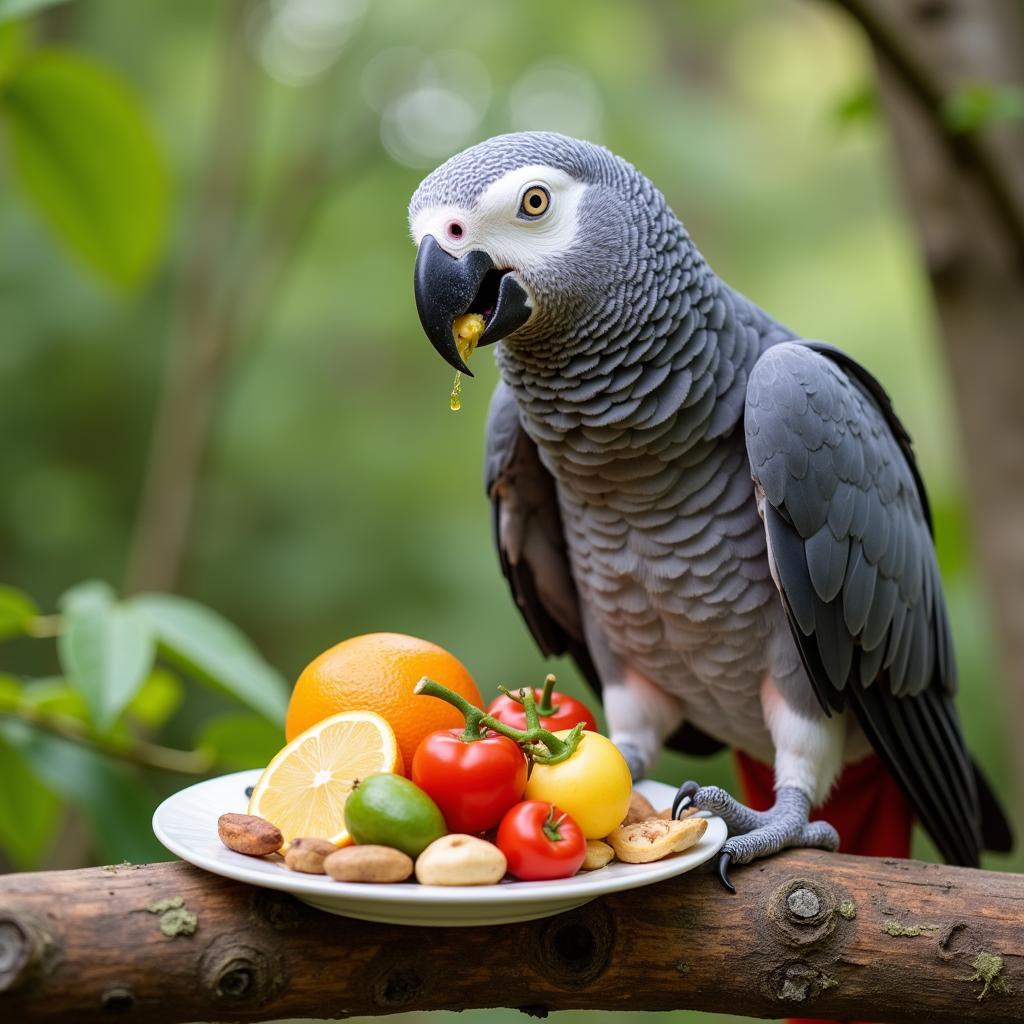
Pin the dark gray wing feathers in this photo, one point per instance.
(849, 533)
(528, 535)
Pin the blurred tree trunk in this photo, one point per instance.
(966, 193)
(197, 347)
(230, 276)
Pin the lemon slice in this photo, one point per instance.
(304, 788)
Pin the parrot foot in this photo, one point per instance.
(635, 759)
(758, 833)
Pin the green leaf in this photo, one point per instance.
(28, 810)
(56, 696)
(17, 610)
(88, 594)
(858, 106)
(973, 107)
(118, 805)
(161, 695)
(211, 648)
(240, 740)
(12, 48)
(18, 8)
(107, 652)
(83, 152)
(10, 691)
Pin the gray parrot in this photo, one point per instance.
(721, 522)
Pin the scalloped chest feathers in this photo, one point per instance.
(665, 540)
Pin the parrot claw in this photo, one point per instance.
(724, 860)
(754, 834)
(684, 797)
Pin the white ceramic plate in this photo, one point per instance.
(186, 823)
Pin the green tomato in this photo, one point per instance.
(389, 810)
(592, 786)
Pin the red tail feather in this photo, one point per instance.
(867, 808)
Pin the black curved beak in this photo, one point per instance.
(447, 287)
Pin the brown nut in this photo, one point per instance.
(245, 833)
(666, 815)
(307, 855)
(640, 808)
(599, 853)
(368, 864)
(646, 841)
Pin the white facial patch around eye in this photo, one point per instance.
(528, 242)
(435, 220)
(494, 226)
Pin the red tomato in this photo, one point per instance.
(540, 841)
(474, 783)
(567, 712)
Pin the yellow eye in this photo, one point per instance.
(535, 201)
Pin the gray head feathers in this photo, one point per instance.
(620, 276)
(460, 179)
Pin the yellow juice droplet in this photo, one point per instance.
(467, 330)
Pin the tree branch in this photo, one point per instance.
(882, 939)
(920, 80)
(138, 752)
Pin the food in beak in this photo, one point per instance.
(467, 330)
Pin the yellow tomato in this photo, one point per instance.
(592, 786)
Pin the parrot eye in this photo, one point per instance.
(535, 202)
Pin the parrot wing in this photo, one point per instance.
(528, 534)
(849, 538)
(527, 527)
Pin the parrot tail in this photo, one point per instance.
(996, 833)
(869, 810)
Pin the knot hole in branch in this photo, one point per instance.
(804, 911)
(574, 949)
(241, 974)
(119, 999)
(394, 983)
(24, 950)
(397, 987)
(956, 941)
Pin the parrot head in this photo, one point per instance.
(536, 232)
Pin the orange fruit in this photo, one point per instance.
(304, 788)
(377, 672)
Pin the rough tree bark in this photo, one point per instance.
(966, 194)
(808, 933)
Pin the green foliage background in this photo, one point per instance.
(339, 495)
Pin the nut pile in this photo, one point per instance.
(645, 835)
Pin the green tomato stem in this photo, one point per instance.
(473, 715)
(552, 827)
(539, 745)
(544, 706)
(530, 709)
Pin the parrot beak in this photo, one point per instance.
(447, 287)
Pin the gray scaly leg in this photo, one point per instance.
(758, 833)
